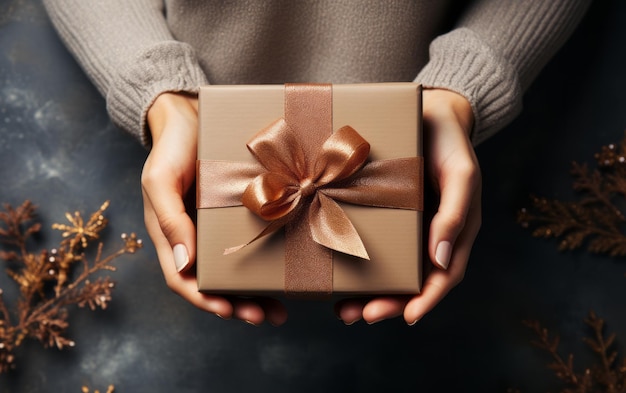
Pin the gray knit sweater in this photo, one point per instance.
(487, 50)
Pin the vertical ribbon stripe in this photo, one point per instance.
(308, 265)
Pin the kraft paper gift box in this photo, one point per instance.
(269, 151)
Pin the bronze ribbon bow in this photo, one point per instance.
(304, 169)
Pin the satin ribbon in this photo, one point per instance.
(302, 170)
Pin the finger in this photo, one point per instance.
(164, 190)
(184, 285)
(434, 290)
(248, 311)
(169, 172)
(440, 282)
(459, 180)
(275, 311)
(384, 308)
(256, 310)
(350, 310)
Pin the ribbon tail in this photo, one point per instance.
(331, 227)
(269, 229)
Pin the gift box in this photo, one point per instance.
(310, 189)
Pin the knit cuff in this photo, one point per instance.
(165, 67)
(461, 62)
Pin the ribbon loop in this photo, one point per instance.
(278, 150)
(271, 195)
(342, 155)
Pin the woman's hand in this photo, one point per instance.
(455, 173)
(167, 176)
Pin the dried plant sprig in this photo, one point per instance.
(563, 369)
(608, 372)
(597, 218)
(18, 228)
(49, 281)
(607, 376)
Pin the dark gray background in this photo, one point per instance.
(58, 148)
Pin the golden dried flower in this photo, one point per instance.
(81, 231)
(110, 389)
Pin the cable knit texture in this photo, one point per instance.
(488, 50)
(167, 66)
(489, 82)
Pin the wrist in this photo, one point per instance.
(442, 103)
(172, 108)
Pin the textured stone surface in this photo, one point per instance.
(58, 148)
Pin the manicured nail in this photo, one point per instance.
(443, 253)
(414, 322)
(375, 321)
(181, 257)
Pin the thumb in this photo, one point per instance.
(458, 183)
(164, 187)
(168, 174)
(178, 229)
(453, 167)
(172, 221)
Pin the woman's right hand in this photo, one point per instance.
(168, 174)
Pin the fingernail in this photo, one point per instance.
(414, 322)
(181, 257)
(375, 321)
(442, 254)
(250, 322)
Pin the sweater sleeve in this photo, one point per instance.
(128, 52)
(496, 51)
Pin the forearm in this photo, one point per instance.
(128, 52)
(496, 51)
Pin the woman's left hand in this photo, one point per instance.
(455, 173)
